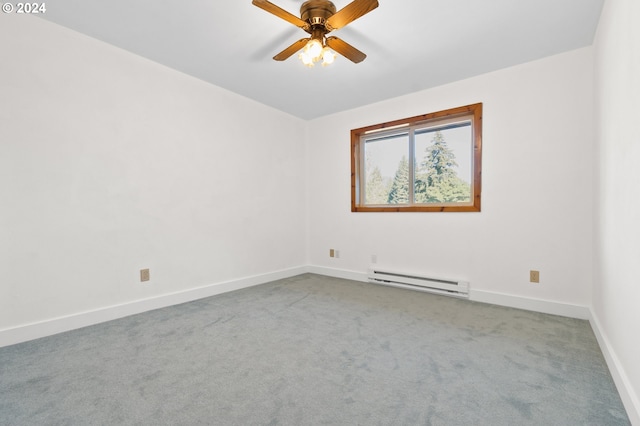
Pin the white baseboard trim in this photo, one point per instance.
(53, 326)
(337, 273)
(537, 305)
(529, 304)
(623, 384)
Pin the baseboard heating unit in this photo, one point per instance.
(421, 283)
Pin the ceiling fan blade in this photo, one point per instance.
(291, 49)
(345, 49)
(281, 13)
(350, 13)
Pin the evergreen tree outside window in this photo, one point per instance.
(399, 192)
(426, 163)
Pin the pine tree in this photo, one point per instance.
(377, 192)
(439, 161)
(438, 181)
(399, 193)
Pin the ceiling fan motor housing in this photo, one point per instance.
(316, 12)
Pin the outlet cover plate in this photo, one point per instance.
(144, 275)
(534, 276)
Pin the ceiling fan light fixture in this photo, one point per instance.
(314, 49)
(328, 56)
(306, 59)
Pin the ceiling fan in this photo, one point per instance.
(318, 18)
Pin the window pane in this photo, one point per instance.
(387, 170)
(443, 162)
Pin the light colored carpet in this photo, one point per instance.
(312, 350)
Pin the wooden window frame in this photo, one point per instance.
(474, 111)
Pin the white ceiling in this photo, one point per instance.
(410, 44)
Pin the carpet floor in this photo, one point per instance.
(314, 350)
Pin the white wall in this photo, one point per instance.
(110, 163)
(536, 187)
(616, 298)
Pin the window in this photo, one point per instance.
(428, 163)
